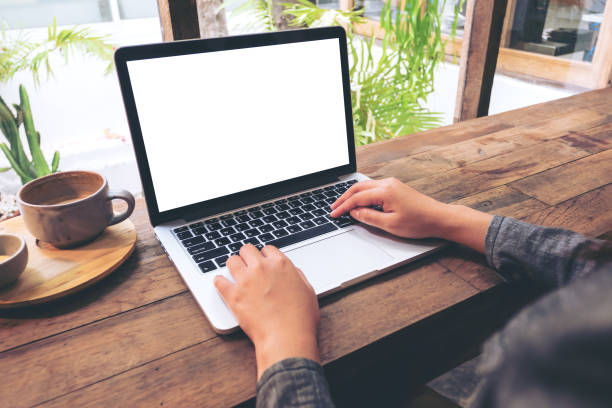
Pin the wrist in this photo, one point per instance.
(464, 225)
(280, 347)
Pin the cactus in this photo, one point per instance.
(25, 168)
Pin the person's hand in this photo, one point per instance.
(410, 214)
(274, 304)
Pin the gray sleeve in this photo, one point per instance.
(552, 257)
(293, 382)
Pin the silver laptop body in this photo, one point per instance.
(250, 139)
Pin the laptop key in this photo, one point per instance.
(307, 224)
(221, 260)
(242, 227)
(266, 237)
(192, 241)
(318, 191)
(212, 235)
(227, 216)
(319, 212)
(279, 224)
(318, 197)
(280, 233)
(253, 241)
(184, 235)
(296, 211)
(199, 231)
(321, 204)
(206, 246)
(211, 220)
(267, 205)
(320, 221)
(343, 221)
(283, 215)
(281, 201)
(293, 220)
(259, 246)
(196, 225)
(207, 266)
(294, 228)
(331, 193)
(252, 209)
(282, 207)
(256, 223)
(252, 232)
(306, 216)
(181, 229)
(213, 253)
(269, 211)
(269, 218)
(266, 228)
(244, 218)
(293, 198)
(349, 182)
(295, 204)
(222, 241)
(303, 235)
(257, 214)
(237, 237)
(330, 201)
(328, 188)
(235, 246)
(228, 231)
(229, 222)
(241, 212)
(214, 226)
(309, 207)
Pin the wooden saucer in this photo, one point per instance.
(52, 273)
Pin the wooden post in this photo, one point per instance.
(602, 58)
(179, 19)
(481, 38)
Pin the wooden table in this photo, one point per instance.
(138, 339)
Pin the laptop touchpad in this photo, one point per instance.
(332, 261)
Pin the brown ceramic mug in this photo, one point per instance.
(71, 207)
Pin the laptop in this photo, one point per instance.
(249, 139)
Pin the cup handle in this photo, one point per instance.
(125, 196)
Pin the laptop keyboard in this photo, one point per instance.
(280, 223)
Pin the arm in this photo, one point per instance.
(277, 308)
(550, 256)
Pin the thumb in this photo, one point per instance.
(371, 217)
(225, 288)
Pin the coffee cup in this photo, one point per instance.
(70, 208)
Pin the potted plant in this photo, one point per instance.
(19, 53)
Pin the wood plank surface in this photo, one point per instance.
(137, 338)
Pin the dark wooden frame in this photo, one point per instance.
(481, 39)
(179, 19)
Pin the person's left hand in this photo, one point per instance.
(274, 304)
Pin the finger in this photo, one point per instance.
(270, 251)
(225, 288)
(371, 217)
(237, 267)
(355, 188)
(362, 199)
(250, 255)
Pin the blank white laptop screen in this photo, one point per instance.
(222, 122)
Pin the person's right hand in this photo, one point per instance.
(410, 214)
(406, 212)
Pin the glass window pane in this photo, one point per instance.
(137, 9)
(38, 13)
(564, 29)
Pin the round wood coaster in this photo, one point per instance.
(52, 273)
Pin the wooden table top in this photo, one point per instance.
(137, 338)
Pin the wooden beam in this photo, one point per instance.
(481, 38)
(602, 58)
(179, 19)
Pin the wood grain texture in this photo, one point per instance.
(561, 183)
(137, 338)
(190, 377)
(53, 273)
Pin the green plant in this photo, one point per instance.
(388, 90)
(20, 54)
(26, 169)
